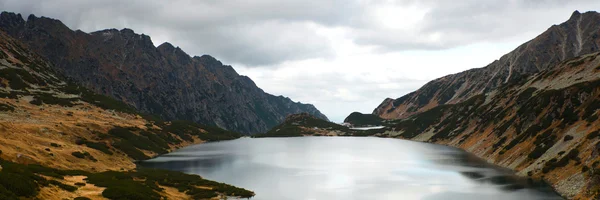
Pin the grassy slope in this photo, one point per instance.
(48, 123)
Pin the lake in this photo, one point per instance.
(349, 168)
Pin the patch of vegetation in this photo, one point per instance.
(359, 119)
(84, 155)
(6, 108)
(542, 143)
(126, 185)
(63, 186)
(211, 133)
(567, 138)
(525, 95)
(82, 198)
(301, 124)
(130, 150)
(17, 78)
(22, 181)
(593, 134)
(499, 143)
(100, 146)
(564, 161)
(138, 141)
(44, 98)
(101, 101)
(576, 63)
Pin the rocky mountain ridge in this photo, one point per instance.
(579, 35)
(544, 126)
(162, 80)
(59, 140)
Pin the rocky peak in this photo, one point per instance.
(166, 48)
(576, 14)
(163, 80)
(575, 37)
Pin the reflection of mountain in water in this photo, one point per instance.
(350, 168)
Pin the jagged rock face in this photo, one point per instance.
(161, 80)
(577, 36)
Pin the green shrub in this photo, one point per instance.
(100, 146)
(44, 98)
(78, 154)
(567, 138)
(6, 108)
(84, 155)
(63, 186)
(19, 185)
(593, 134)
(138, 141)
(17, 180)
(130, 150)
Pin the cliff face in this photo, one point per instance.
(544, 126)
(161, 80)
(578, 36)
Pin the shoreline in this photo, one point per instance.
(533, 183)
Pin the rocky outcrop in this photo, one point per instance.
(162, 80)
(578, 36)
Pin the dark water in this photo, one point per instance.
(348, 168)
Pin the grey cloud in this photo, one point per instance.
(264, 32)
(472, 21)
(269, 32)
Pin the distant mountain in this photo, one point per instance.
(304, 124)
(359, 119)
(577, 36)
(161, 80)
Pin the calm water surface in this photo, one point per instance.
(349, 168)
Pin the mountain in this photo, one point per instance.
(534, 111)
(162, 80)
(304, 124)
(59, 140)
(577, 36)
(544, 126)
(359, 119)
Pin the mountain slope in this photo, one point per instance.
(577, 36)
(161, 80)
(544, 126)
(359, 119)
(61, 141)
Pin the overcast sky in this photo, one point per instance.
(340, 55)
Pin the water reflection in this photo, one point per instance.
(349, 168)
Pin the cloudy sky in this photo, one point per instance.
(340, 55)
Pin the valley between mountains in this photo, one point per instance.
(534, 111)
(77, 110)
